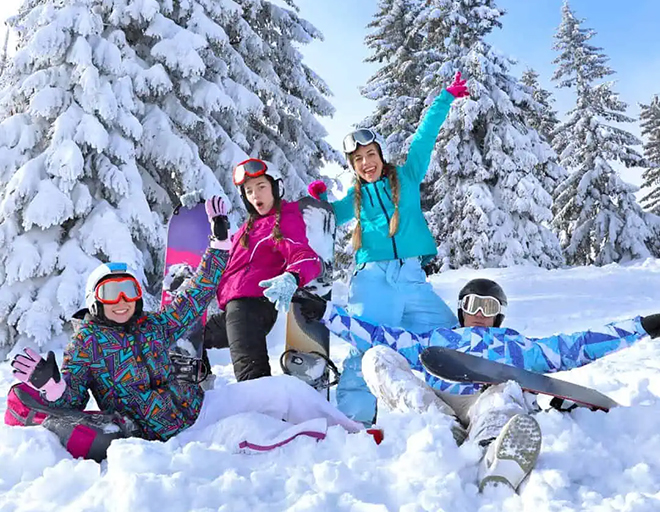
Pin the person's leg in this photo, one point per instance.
(500, 421)
(391, 380)
(371, 297)
(248, 321)
(215, 331)
(424, 310)
(282, 397)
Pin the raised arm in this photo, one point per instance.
(423, 142)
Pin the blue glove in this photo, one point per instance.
(280, 289)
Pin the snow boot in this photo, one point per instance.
(512, 455)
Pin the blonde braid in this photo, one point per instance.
(245, 239)
(396, 193)
(356, 239)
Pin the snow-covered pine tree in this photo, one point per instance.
(395, 87)
(491, 178)
(105, 111)
(650, 121)
(596, 214)
(544, 119)
(287, 132)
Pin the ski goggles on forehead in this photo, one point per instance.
(472, 304)
(250, 168)
(113, 289)
(362, 137)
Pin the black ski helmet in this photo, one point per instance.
(485, 288)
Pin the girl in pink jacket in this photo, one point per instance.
(269, 258)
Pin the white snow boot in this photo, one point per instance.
(390, 379)
(512, 455)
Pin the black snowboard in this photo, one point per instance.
(451, 365)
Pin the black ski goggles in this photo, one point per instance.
(473, 303)
(362, 137)
(250, 168)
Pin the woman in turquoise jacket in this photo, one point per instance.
(391, 240)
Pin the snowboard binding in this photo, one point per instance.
(314, 368)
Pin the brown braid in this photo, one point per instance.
(245, 239)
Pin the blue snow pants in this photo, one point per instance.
(393, 293)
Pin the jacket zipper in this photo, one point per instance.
(396, 254)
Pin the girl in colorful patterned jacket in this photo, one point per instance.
(392, 242)
(121, 354)
(270, 257)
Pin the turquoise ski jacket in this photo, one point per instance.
(413, 238)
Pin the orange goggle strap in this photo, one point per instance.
(109, 291)
(250, 168)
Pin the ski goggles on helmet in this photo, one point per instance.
(362, 137)
(472, 304)
(111, 290)
(250, 168)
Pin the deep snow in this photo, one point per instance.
(589, 460)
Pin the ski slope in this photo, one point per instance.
(589, 460)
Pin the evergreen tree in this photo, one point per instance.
(543, 118)
(114, 111)
(596, 213)
(395, 86)
(489, 182)
(287, 132)
(650, 117)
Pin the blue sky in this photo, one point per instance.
(629, 36)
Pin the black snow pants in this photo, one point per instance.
(243, 328)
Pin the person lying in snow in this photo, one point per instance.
(497, 417)
(120, 354)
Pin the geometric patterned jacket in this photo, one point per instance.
(541, 355)
(128, 368)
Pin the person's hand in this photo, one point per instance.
(280, 289)
(458, 89)
(317, 189)
(312, 306)
(216, 211)
(651, 325)
(42, 375)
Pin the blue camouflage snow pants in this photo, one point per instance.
(393, 293)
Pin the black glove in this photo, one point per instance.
(220, 227)
(651, 325)
(312, 306)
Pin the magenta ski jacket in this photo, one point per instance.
(128, 368)
(266, 258)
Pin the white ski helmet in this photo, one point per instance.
(253, 168)
(99, 274)
(363, 137)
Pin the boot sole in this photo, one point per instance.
(519, 444)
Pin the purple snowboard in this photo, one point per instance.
(188, 234)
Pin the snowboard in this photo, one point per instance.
(307, 348)
(456, 366)
(188, 232)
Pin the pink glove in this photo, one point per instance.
(216, 211)
(317, 189)
(44, 376)
(458, 89)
